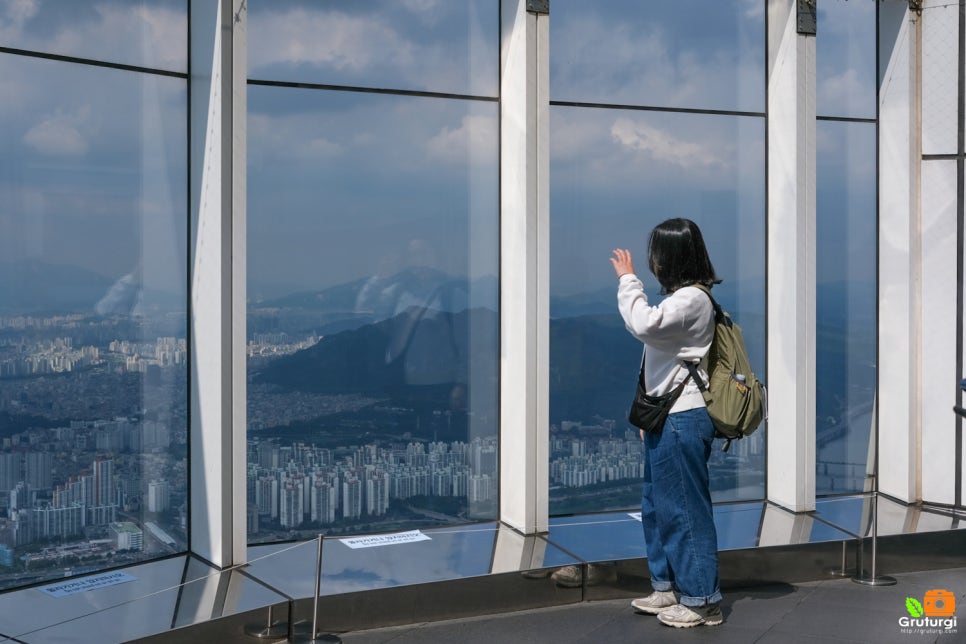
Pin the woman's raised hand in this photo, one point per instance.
(622, 262)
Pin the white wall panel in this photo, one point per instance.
(939, 328)
(898, 417)
(961, 423)
(940, 76)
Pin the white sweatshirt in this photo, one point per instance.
(680, 328)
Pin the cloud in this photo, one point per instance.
(20, 11)
(328, 38)
(60, 134)
(420, 5)
(426, 45)
(753, 9)
(599, 54)
(289, 138)
(133, 33)
(475, 133)
(661, 145)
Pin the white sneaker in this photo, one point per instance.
(655, 602)
(681, 616)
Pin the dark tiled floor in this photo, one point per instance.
(836, 610)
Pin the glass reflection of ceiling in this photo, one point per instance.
(618, 535)
(450, 553)
(156, 597)
(853, 513)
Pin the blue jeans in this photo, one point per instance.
(679, 533)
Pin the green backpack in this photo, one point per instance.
(737, 401)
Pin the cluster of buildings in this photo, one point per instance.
(48, 494)
(298, 484)
(163, 352)
(58, 355)
(48, 356)
(274, 345)
(24, 322)
(38, 510)
(587, 455)
(588, 464)
(118, 435)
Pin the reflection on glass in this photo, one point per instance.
(615, 175)
(845, 49)
(373, 312)
(437, 555)
(448, 47)
(145, 33)
(689, 53)
(845, 304)
(92, 319)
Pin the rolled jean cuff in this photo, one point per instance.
(697, 602)
(661, 586)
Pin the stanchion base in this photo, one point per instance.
(837, 572)
(273, 632)
(882, 580)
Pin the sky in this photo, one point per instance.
(341, 183)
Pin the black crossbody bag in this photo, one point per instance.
(649, 412)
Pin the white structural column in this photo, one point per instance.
(898, 401)
(791, 260)
(941, 311)
(217, 245)
(524, 267)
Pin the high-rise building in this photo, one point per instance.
(266, 495)
(291, 502)
(38, 468)
(377, 493)
(159, 496)
(10, 471)
(104, 488)
(352, 492)
(324, 500)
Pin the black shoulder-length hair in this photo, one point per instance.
(677, 256)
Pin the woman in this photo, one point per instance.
(682, 547)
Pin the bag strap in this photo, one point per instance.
(691, 375)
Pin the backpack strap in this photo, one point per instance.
(719, 317)
(694, 375)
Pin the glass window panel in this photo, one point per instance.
(615, 175)
(845, 49)
(92, 318)
(373, 324)
(684, 54)
(448, 47)
(845, 303)
(145, 33)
